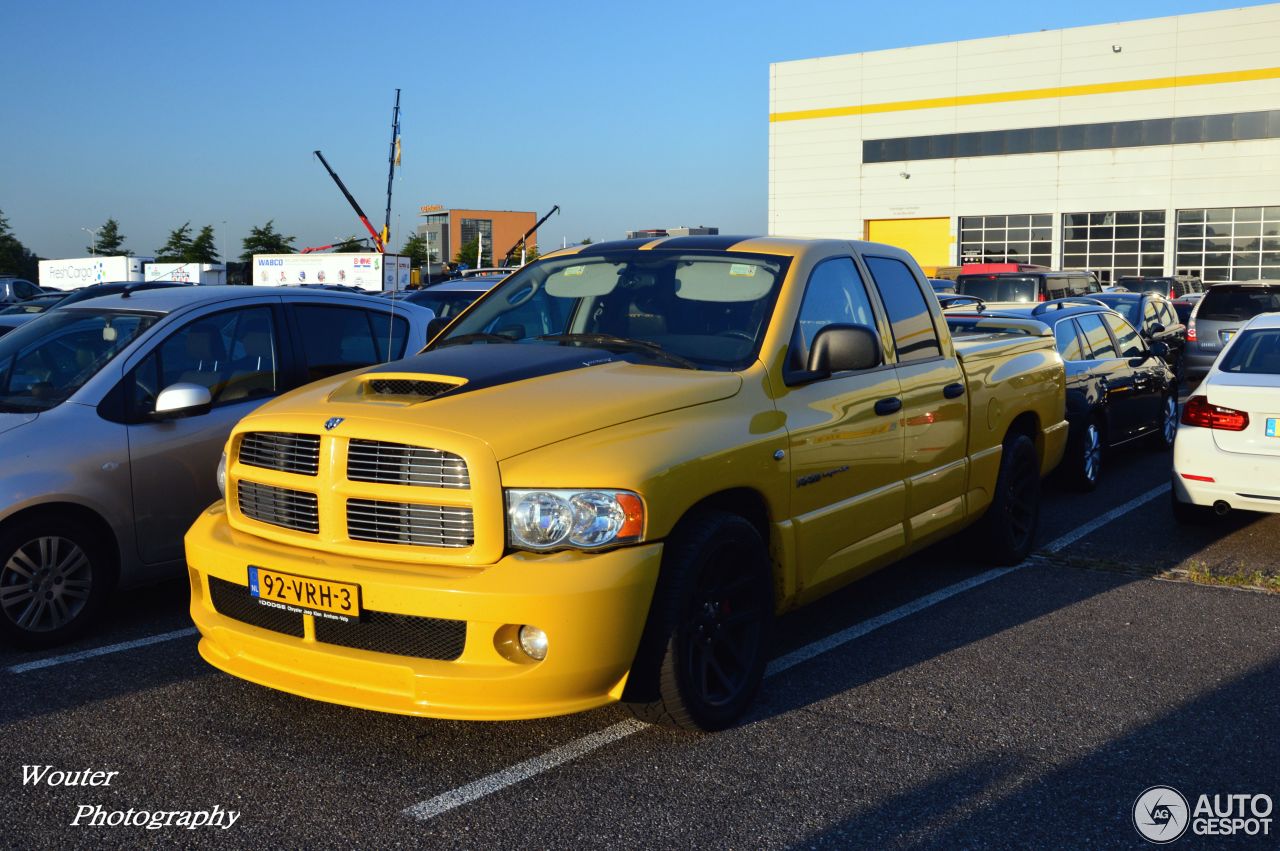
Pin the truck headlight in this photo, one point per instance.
(587, 519)
(222, 474)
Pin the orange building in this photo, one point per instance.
(447, 231)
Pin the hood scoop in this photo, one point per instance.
(395, 389)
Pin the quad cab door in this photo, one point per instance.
(846, 440)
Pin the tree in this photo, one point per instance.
(204, 248)
(266, 240)
(179, 243)
(109, 241)
(467, 254)
(418, 250)
(351, 243)
(587, 241)
(15, 259)
(531, 253)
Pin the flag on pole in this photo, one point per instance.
(397, 159)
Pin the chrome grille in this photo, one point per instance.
(288, 453)
(399, 464)
(407, 387)
(278, 506)
(406, 523)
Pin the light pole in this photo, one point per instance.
(224, 242)
(93, 232)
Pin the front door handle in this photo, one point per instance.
(888, 406)
(953, 391)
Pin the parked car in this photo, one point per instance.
(1154, 317)
(1015, 288)
(942, 286)
(36, 304)
(1119, 388)
(1219, 314)
(17, 289)
(449, 299)
(9, 321)
(1227, 455)
(113, 413)
(1170, 286)
(605, 478)
(1183, 305)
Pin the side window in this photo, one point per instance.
(1091, 285)
(1151, 315)
(1055, 287)
(1130, 343)
(1167, 317)
(914, 335)
(335, 339)
(25, 290)
(1097, 341)
(390, 335)
(835, 294)
(234, 354)
(1068, 340)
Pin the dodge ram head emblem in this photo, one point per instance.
(332, 423)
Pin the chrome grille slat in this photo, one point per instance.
(275, 450)
(401, 464)
(385, 522)
(283, 507)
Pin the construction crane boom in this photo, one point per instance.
(528, 233)
(377, 240)
(391, 164)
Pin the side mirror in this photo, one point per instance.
(838, 348)
(182, 400)
(435, 326)
(1160, 349)
(1156, 328)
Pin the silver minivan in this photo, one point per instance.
(1221, 312)
(113, 414)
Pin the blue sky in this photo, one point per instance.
(626, 115)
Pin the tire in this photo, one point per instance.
(54, 580)
(1187, 513)
(1167, 429)
(1008, 529)
(702, 656)
(1082, 464)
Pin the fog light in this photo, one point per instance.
(533, 642)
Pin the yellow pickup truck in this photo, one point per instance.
(603, 480)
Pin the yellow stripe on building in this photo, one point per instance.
(1034, 94)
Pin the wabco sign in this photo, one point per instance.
(366, 271)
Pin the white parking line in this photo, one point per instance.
(99, 651)
(1103, 519)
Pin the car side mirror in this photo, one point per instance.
(1157, 328)
(839, 348)
(1160, 349)
(182, 400)
(435, 326)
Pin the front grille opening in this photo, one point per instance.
(275, 450)
(406, 387)
(400, 464)
(283, 507)
(235, 602)
(401, 635)
(383, 522)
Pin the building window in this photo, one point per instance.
(1127, 242)
(482, 227)
(1022, 238)
(1229, 243)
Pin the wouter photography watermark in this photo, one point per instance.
(1162, 814)
(96, 815)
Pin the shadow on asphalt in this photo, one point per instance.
(1222, 742)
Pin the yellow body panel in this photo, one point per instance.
(840, 491)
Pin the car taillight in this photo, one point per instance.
(1191, 330)
(1172, 294)
(1198, 412)
(1042, 297)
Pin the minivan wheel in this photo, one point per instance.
(703, 653)
(1082, 466)
(1008, 529)
(54, 579)
(1167, 429)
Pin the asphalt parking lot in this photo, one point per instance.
(935, 704)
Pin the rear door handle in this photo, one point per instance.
(952, 391)
(888, 406)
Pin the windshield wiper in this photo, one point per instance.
(606, 340)
(474, 338)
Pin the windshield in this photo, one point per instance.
(1256, 352)
(708, 311)
(1129, 308)
(52, 356)
(445, 304)
(989, 288)
(1227, 302)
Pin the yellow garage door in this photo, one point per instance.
(927, 240)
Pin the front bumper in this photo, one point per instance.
(1249, 482)
(593, 608)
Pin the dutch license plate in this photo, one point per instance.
(1271, 427)
(319, 597)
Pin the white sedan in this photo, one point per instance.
(1227, 453)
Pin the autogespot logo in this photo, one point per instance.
(1160, 814)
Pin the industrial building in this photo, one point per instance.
(658, 233)
(1144, 147)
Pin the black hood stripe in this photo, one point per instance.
(492, 364)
